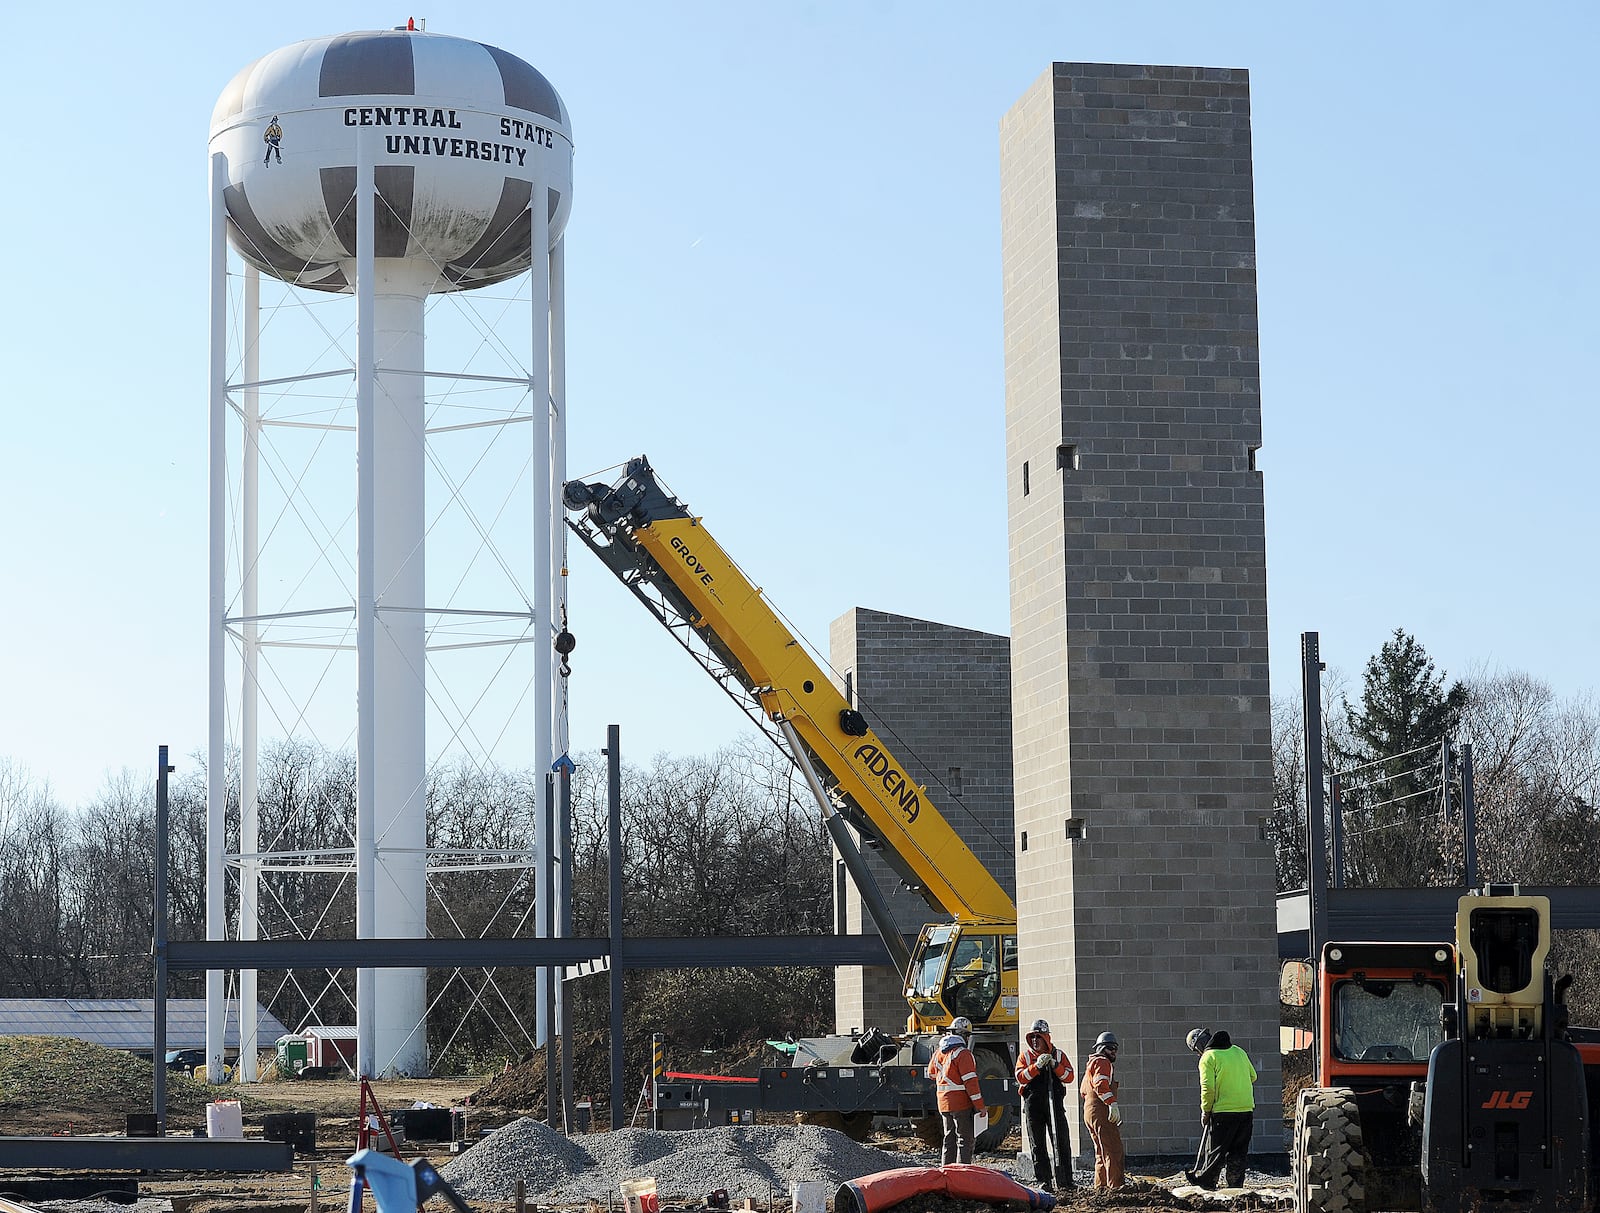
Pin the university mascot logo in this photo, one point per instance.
(273, 138)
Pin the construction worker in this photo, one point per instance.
(1102, 1113)
(1227, 1109)
(1044, 1075)
(954, 1070)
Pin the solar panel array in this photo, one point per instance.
(127, 1023)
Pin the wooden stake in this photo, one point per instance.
(521, 1196)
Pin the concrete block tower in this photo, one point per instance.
(1138, 579)
(940, 696)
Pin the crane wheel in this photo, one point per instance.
(993, 1065)
(1330, 1157)
(857, 1126)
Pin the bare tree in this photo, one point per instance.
(1287, 825)
(1537, 765)
(110, 880)
(46, 953)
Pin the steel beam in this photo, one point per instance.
(649, 952)
(144, 1154)
(1419, 914)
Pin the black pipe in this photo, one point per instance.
(619, 1097)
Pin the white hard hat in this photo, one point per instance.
(961, 1026)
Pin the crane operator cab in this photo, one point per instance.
(961, 970)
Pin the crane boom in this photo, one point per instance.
(650, 541)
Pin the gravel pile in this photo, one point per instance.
(747, 1160)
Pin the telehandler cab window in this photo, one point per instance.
(1386, 1020)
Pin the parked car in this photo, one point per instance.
(183, 1061)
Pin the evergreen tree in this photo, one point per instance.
(1391, 788)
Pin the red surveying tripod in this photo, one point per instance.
(373, 1121)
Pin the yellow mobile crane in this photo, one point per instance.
(966, 966)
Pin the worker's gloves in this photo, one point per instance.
(1115, 1112)
(1205, 1119)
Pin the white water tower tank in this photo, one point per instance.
(468, 145)
(463, 134)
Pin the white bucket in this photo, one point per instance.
(639, 1195)
(809, 1196)
(223, 1119)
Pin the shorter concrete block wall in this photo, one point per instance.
(940, 697)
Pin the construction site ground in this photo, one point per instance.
(69, 1088)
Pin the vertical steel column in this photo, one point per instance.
(159, 946)
(216, 619)
(249, 686)
(1469, 820)
(366, 608)
(1316, 842)
(619, 1097)
(841, 908)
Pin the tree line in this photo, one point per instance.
(724, 844)
(1395, 751)
(730, 843)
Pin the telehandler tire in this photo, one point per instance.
(1330, 1157)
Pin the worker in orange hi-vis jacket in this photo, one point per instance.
(1044, 1076)
(1102, 1113)
(954, 1071)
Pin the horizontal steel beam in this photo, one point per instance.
(197, 954)
(1419, 914)
(144, 1154)
(753, 951)
(645, 952)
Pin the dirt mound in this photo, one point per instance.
(521, 1086)
(1297, 1076)
(48, 1082)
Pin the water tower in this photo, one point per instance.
(390, 166)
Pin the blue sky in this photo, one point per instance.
(785, 287)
